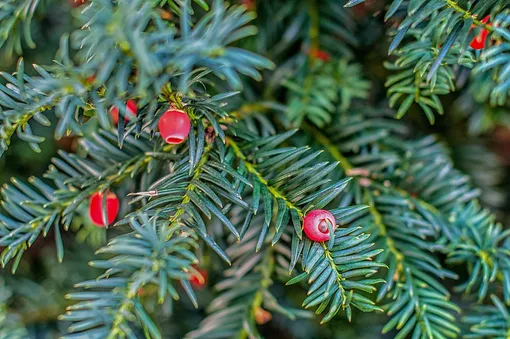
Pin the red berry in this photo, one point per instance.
(198, 281)
(320, 54)
(95, 208)
(262, 316)
(131, 109)
(478, 41)
(174, 126)
(77, 3)
(316, 225)
(250, 4)
(486, 19)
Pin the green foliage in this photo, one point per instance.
(399, 223)
(419, 206)
(315, 98)
(32, 210)
(436, 35)
(482, 243)
(15, 19)
(497, 59)
(241, 184)
(489, 321)
(161, 55)
(329, 270)
(409, 86)
(10, 326)
(151, 254)
(245, 290)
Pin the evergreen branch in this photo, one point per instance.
(439, 34)
(162, 55)
(185, 194)
(410, 280)
(407, 86)
(489, 321)
(188, 193)
(245, 299)
(325, 85)
(277, 175)
(438, 195)
(153, 254)
(483, 244)
(31, 211)
(15, 19)
(295, 198)
(467, 14)
(330, 270)
(497, 59)
(260, 178)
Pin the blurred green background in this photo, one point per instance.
(36, 293)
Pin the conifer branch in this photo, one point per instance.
(409, 283)
(31, 211)
(467, 14)
(71, 90)
(244, 300)
(332, 286)
(489, 321)
(153, 254)
(15, 20)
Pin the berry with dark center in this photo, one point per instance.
(316, 225)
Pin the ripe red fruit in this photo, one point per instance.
(174, 126)
(95, 208)
(320, 54)
(315, 225)
(198, 281)
(77, 3)
(250, 4)
(130, 107)
(262, 316)
(478, 41)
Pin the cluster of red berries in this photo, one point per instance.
(174, 126)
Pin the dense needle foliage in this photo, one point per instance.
(294, 106)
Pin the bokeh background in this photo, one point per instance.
(480, 142)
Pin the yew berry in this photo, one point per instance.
(320, 55)
(174, 126)
(131, 110)
(262, 316)
(250, 4)
(479, 40)
(198, 280)
(316, 223)
(96, 206)
(77, 3)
